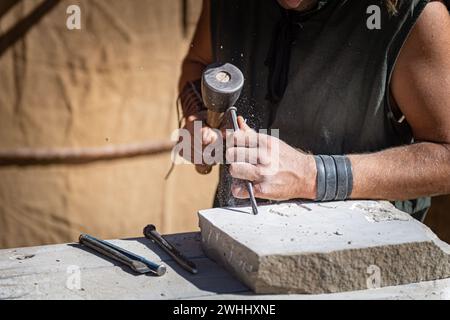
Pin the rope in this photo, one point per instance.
(48, 156)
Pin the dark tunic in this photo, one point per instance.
(337, 98)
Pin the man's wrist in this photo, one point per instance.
(311, 180)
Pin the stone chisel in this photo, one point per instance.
(153, 235)
(135, 262)
(248, 184)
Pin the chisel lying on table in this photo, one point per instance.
(135, 262)
(151, 234)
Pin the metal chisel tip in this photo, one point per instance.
(252, 198)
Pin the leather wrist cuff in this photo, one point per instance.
(334, 178)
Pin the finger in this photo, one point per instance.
(248, 155)
(243, 125)
(240, 138)
(192, 118)
(198, 145)
(239, 190)
(192, 156)
(245, 171)
(209, 136)
(206, 136)
(246, 136)
(195, 156)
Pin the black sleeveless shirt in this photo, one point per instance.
(336, 99)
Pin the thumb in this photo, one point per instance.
(243, 125)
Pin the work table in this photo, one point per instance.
(71, 271)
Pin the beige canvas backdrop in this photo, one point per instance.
(112, 82)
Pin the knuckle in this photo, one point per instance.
(254, 140)
(253, 157)
(258, 173)
(259, 189)
(239, 138)
(265, 189)
(229, 155)
(262, 156)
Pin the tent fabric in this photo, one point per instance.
(113, 82)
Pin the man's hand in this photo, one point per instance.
(199, 140)
(277, 171)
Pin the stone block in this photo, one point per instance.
(298, 247)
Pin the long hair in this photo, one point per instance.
(392, 6)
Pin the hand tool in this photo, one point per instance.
(151, 234)
(135, 262)
(221, 87)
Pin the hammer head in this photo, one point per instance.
(221, 86)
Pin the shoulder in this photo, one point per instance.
(434, 20)
(421, 78)
(433, 23)
(429, 39)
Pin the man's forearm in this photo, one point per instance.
(402, 173)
